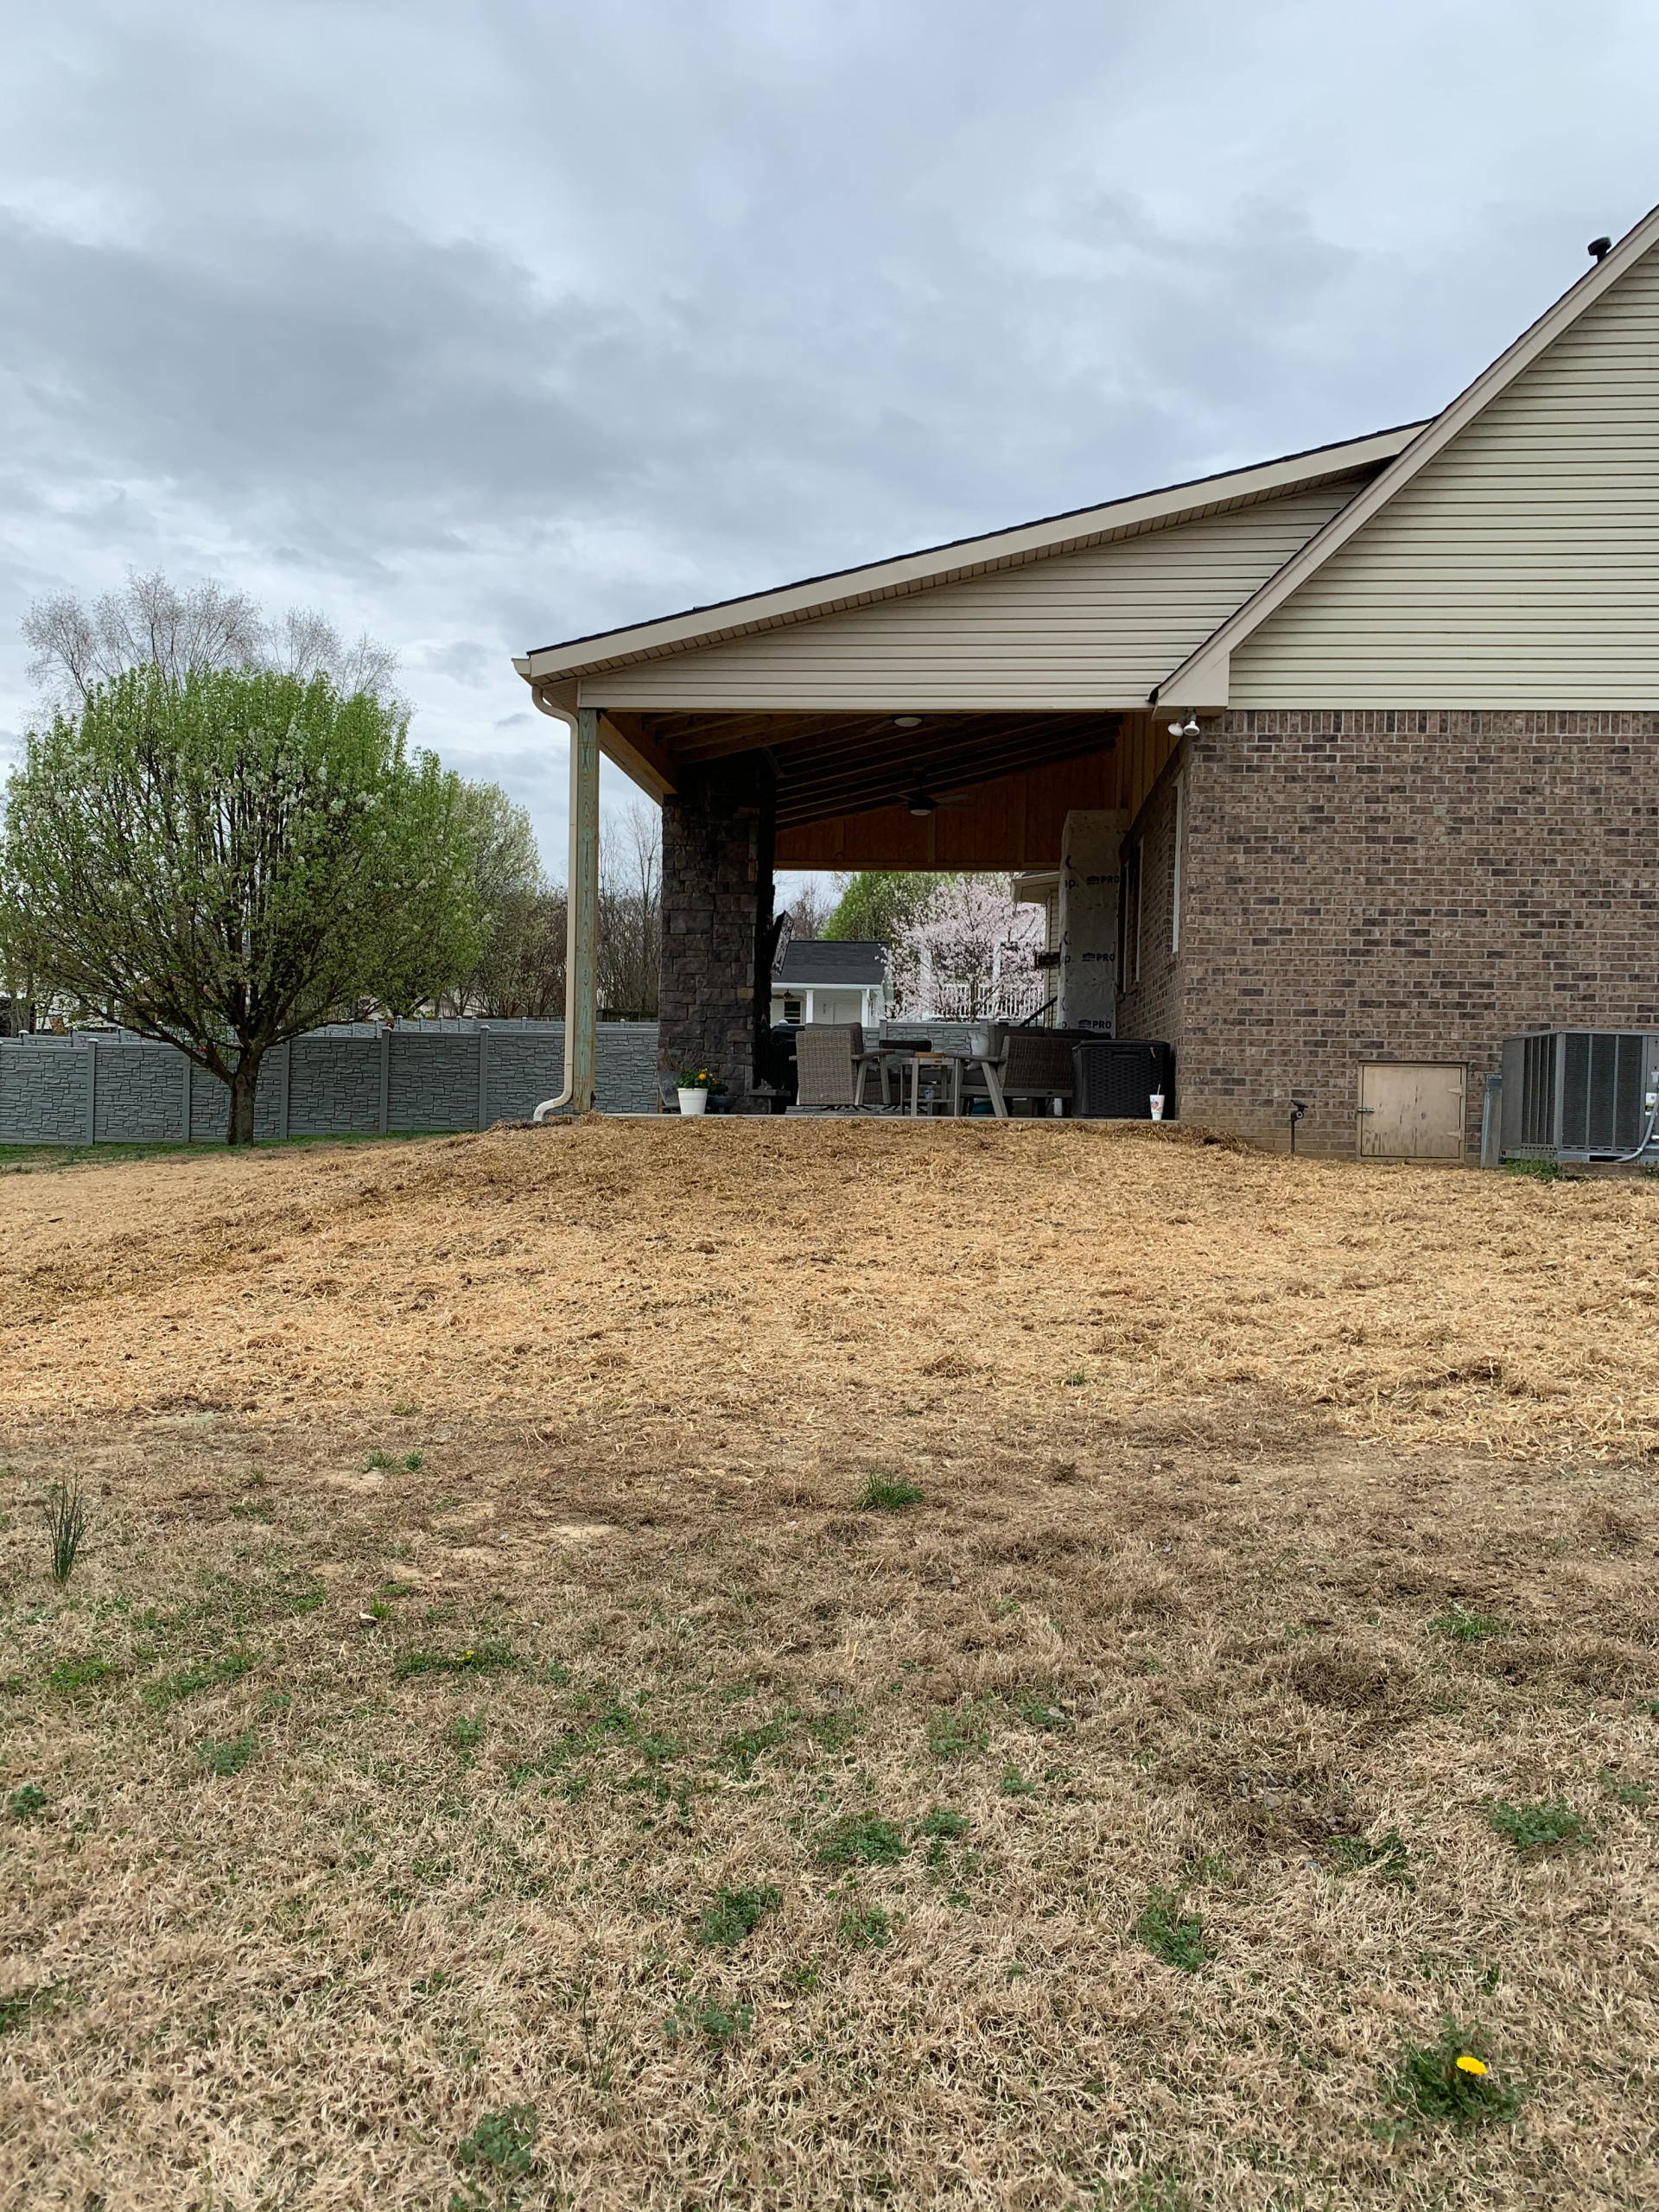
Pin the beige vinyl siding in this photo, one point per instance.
(1094, 628)
(1520, 568)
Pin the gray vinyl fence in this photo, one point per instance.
(355, 1078)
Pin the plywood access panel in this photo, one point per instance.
(1411, 1109)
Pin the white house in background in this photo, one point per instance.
(816, 980)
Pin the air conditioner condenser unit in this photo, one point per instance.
(1581, 1095)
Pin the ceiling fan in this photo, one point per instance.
(921, 802)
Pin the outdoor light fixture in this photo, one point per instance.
(1191, 728)
(906, 722)
(919, 804)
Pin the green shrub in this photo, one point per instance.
(861, 1838)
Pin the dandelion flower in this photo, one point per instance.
(1468, 2065)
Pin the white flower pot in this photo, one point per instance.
(693, 1102)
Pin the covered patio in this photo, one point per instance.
(988, 705)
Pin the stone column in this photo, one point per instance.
(717, 896)
(1088, 920)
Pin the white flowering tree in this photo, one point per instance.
(970, 955)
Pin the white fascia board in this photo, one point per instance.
(1003, 549)
(1194, 684)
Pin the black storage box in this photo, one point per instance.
(1115, 1078)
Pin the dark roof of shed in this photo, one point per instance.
(823, 960)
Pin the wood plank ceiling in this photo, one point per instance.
(836, 764)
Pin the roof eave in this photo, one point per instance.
(821, 595)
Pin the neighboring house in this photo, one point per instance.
(819, 980)
(1345, 766)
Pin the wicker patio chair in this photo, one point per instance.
(1033, 1064)
(831, 1066)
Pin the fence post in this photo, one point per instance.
(91, 1090)
(385, 1076)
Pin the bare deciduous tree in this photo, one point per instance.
(151, 623)
(631, 911)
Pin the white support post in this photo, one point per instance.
(582, 942)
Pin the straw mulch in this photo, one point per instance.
(424, 1791)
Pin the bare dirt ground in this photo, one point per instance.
(508, 1741)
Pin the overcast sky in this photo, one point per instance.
(484, 324)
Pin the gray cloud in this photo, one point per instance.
(484, 328)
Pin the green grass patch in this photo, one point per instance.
(945, 1825)
(1041, 1712)
(1536, 1171)
(1171, 1935)
(1465, 1627)
(741, 1750)
(1551, 1824)
(860, 1838)
(192, 1681)
(883, 1494)
(1450, 2082)
(83, 1673)
(500, 2148)
(19, 2008)
(231, 1756)
(833, 1731)
(865, 1928)
(1013, 1784)
(477, 1659)
(1625, 1790)
(956, 1732)
(735, 1914)
(27, 1802)
(1387, 1858)
(716, 2023)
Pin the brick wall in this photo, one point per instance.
(1405, 886)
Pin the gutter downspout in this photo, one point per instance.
(582, 922)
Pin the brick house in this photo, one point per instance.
(1343, 766)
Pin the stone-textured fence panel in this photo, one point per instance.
(354, 1079)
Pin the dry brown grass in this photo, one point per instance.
(1207, 1440)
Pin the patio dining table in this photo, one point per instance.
(920, 1058)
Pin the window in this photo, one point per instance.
(1128, 930)
(792, 1009)
(1175, 876)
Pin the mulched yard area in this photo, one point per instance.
(799, 1665)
